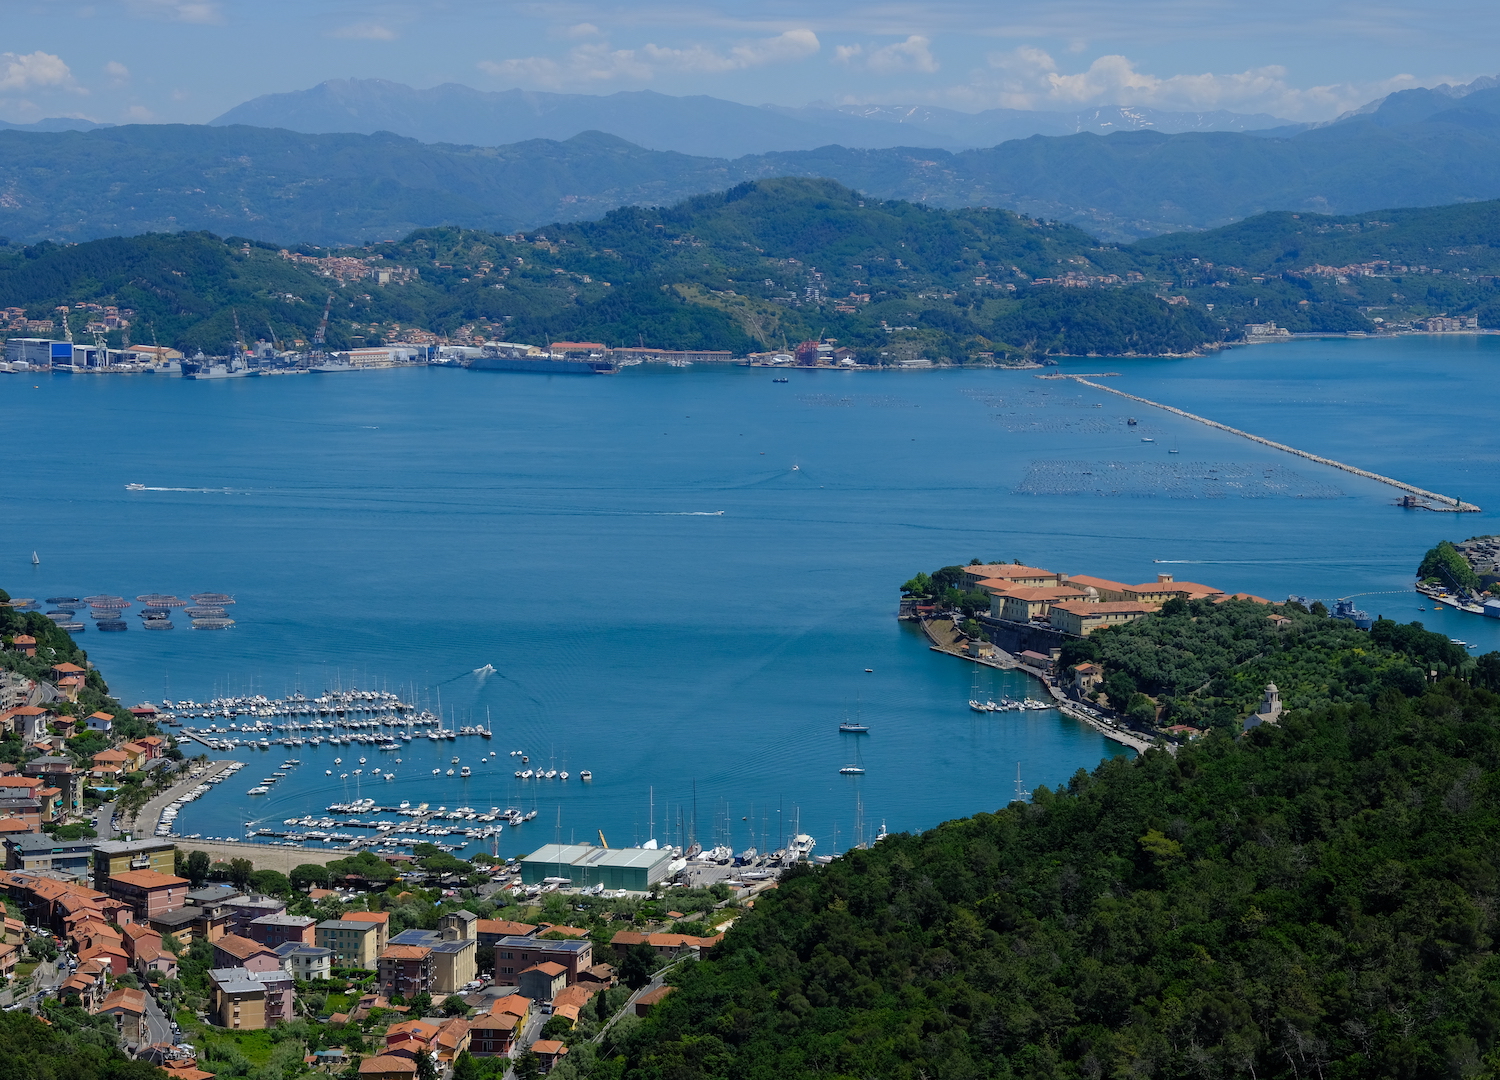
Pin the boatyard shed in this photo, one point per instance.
(584, 865)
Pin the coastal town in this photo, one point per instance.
(405, 965)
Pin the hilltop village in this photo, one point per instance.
(387, 967)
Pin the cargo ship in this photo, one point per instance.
(572, 358)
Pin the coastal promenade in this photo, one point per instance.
(945, 642)
(264, 856)
(1452, 505)
(149, 816)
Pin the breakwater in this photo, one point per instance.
(1450, 502)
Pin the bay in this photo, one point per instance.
(680, 576)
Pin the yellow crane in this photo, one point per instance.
(603, 842)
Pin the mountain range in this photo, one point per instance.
(702, 126)
(1418, 148)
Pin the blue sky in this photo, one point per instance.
(189, 60)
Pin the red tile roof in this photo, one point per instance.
(148, 879)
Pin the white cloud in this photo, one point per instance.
(913, 54)
(139, 114)
(188, 11)
(1029, 78)
(364, 31)
(32, 71)
(596, 62)
(847, 54)
(582, 30)
(118, 73)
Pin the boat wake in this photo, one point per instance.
(690, 513)
(205, 491)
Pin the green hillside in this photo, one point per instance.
(764, 265)
(1315, 899)
(770, 263)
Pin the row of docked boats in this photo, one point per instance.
(168, 821)
(1006, 704)
(280, 774)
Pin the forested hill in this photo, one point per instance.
(1316, 899)
(770, 263)
(762, 266)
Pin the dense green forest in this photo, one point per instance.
(1206, 664)
(1446, 564)
(1312, 899)
(767, 264)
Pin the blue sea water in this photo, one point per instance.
(680, 576)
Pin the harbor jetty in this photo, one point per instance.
(1446, 502)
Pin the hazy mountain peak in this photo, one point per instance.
(697, 124)
(55, 123)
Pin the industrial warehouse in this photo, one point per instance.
(584, 866)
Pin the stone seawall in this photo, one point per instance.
(1017, 638)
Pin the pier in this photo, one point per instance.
(1452, 505)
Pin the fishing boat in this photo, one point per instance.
(851, 728)
(463, 772)
(585, 775)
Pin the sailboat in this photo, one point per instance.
(1021, 793)
(858, 768)
(34, 560)
(974, 702)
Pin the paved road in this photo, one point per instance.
(102, 817)
(158, 1027)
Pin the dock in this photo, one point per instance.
(1450, 504)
